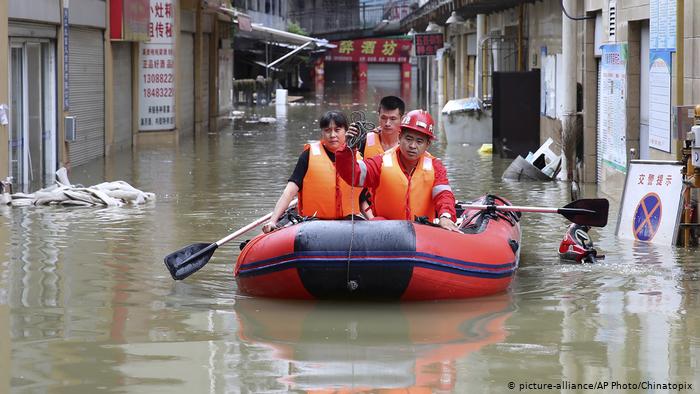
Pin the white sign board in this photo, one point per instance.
(549, 84)
(613, 96)
(157, 70)
(662, 24)
(660, 100)
(651, 203)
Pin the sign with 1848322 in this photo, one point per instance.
(157, 69)
(427, 44)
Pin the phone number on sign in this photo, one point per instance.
(158, 92)
(158, 78)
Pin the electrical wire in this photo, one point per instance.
(575, 18)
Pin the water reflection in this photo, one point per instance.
(358, 347)
(87, 305)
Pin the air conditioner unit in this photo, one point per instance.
(69, 128)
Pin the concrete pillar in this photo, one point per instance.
(109, 88)
(406, 81)
(4, 98)
(198, 38)
(465, 64)
(441, 82)
(480, 35)
(213, 111)
(361, 79)
(362, 73)
(319, 76)
(428, 82)
(568, 90)
(459, 64)
(63, 147)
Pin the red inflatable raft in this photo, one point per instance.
(384, 259)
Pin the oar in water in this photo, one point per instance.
(190, 259)
(587, 211)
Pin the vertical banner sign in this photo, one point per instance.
(157, 69)
(660, 100)
(614, 100)
(650, 209)
(662, 24)
(66, 85)
(662, 41)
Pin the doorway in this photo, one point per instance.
(32, 113)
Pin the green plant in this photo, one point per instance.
(294, 27)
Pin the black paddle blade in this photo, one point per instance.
(587, 211)
(189, 259)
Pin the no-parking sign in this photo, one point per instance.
(651, 202)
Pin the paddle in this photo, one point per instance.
(190, 259)
(587, 211)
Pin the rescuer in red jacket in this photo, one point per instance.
(406, 182)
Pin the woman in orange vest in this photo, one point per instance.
(322, 193)
(406, 182)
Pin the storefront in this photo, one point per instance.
(32, 108)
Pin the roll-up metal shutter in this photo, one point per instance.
(186, 83)
(87, 94)
(205, 82)
(121, 55)
(385, 77)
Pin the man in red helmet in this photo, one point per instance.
(406, 182)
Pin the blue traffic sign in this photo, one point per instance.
(647, 217)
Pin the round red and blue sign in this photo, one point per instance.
(647, 217)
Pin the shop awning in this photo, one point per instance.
(265, 33)
(268, 35)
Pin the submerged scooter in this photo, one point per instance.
(577, 246)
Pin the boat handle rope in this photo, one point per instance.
(359, 119)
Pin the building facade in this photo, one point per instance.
(86, 78)
(632, 72)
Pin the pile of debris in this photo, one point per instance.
(111, 194)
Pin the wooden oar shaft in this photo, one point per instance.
(250, 226)
(511, 208)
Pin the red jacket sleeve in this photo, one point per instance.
(367, 171)
(443, 197)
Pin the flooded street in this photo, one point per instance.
(86, 304)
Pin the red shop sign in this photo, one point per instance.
(427, 44)
(371, 50)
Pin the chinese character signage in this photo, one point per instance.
(427, 43)
(660, 100)
(651, 203)
(157, 69)
(374, 50)
(66, 59)
(613, 111)
(128, 19)
(662, 24)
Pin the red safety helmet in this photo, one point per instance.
(419, 120)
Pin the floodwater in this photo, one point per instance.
(86, 304)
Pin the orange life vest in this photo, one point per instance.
(373, 146)
(402, 198)
(323, 192)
